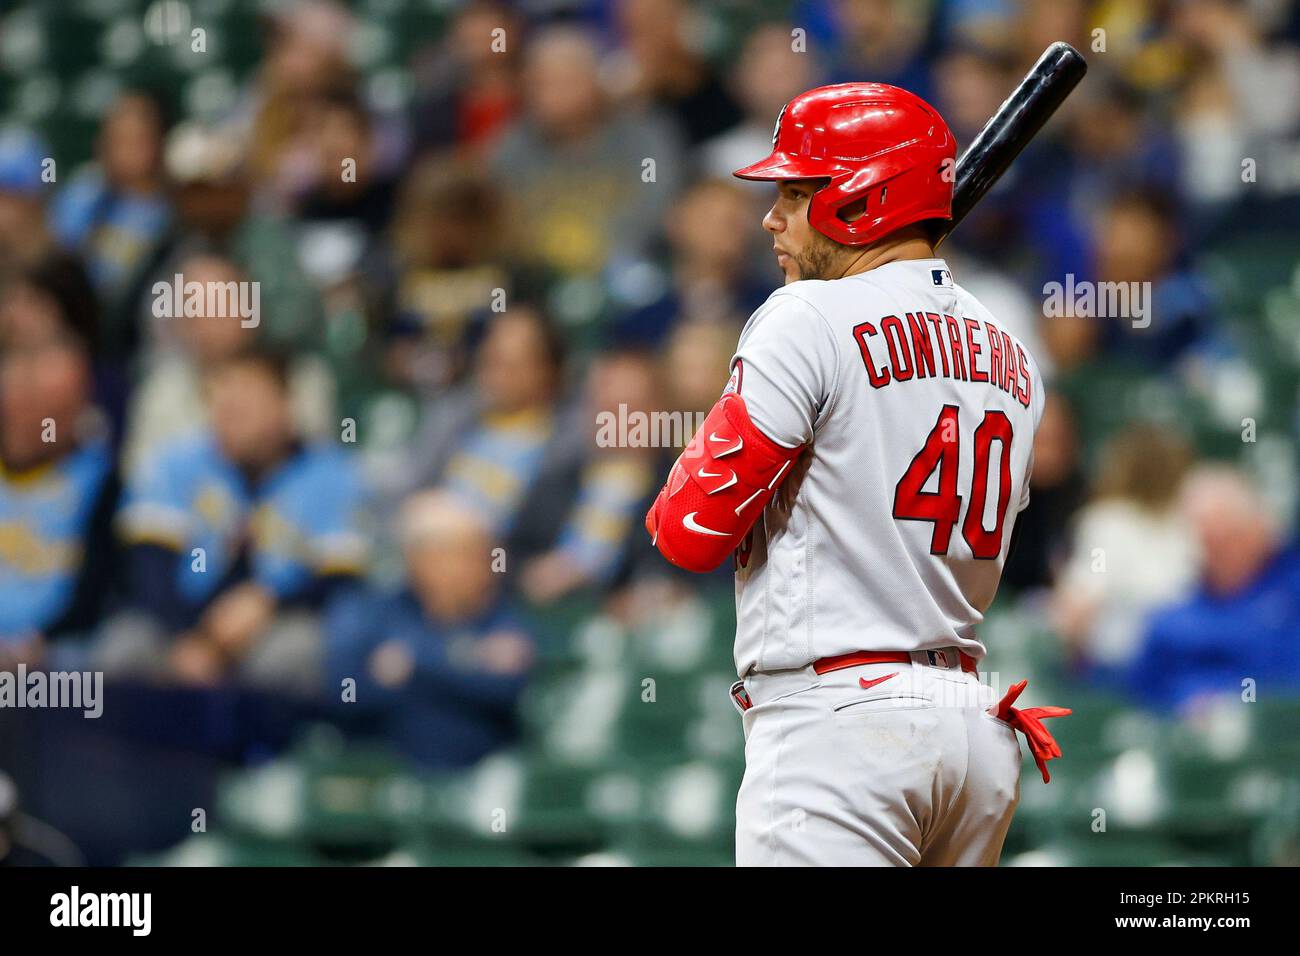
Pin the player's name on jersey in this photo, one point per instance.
(930, 345)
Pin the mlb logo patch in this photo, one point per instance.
(937, 658)
(941, 277)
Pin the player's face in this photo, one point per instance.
(801, 251)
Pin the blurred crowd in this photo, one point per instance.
(363, 490)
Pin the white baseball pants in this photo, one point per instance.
(912, 771)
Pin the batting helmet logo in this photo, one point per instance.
(776, 129)
(872, 142)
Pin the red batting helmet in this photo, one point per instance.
(873, 142)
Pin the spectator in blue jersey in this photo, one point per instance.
(1151, 307)
(168, 400)
(58, 486)
(117, 215)
(1243, 621)
(1139, 242)
(615, 484)
(437, 667)
(508, 444)
(237, 534)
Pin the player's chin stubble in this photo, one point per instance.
(816, 261)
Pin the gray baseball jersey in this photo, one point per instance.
(920, 412)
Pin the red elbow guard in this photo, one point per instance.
(717, 488)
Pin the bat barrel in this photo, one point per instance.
(1016, 122)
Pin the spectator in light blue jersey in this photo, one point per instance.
(57, 481)
(233, 528)
(615, 486)
(116, 214)
(511, 443)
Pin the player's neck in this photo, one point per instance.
(902, 246)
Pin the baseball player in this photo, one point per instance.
(864, 467)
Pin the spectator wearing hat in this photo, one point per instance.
(24, 239)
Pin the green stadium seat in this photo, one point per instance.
(324, 794)
(209, 849)
(687, 807)
(1113, 849)
(691, 715)
(482, 853)
(547, 807)
(573, 714)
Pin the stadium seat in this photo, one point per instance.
(323, 794)
(210, 849)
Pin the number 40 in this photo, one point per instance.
(943, 507)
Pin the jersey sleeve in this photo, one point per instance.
(311, 527)
(333, 528)
(156, 510)
(785, 367)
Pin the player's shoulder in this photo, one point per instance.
(800, 296)
(788, 312)
(829, 297)
(818, 303)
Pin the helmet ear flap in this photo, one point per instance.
(842, 209)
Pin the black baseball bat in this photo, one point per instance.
(1017, 121)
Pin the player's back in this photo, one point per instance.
(921, 415)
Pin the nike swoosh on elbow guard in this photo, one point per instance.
(740, 443)
(722, 487)
(692, 525)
